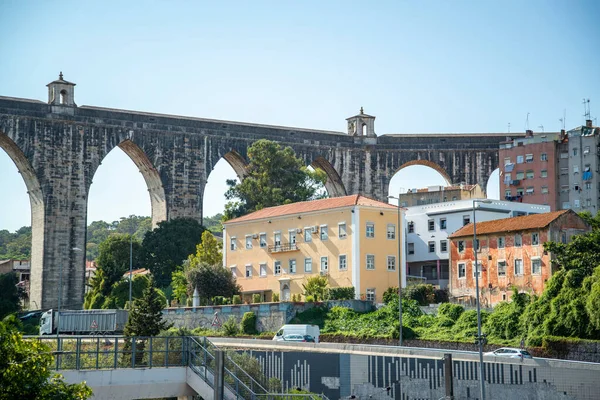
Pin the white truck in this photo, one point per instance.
(83, 322)
(296, 332)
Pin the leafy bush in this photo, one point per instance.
(275, 297)
(422, 293)
(256, 298)
(451, 311)
(237, 299)
(390, 295)
(316, 286)
(249, 323)
(441, 296)
(220, 301)
(310, 299)
(341, 293)
(230, 327)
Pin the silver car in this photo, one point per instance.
(509, 352)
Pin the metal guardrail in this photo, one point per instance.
(197, 353)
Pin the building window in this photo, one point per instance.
(233, 270)
(232, 243)
(248, 241)
(263, 270)
(411, 227)
(263, 240)
(411, 248)
(500, 242)
(277, 268)
(564, 188)
(519, 159)
(431, 246)
(370, 261)
(535, 239)
(544, 157)
(529, 190)
(575, 169)
(566, 205)
(507, 193)
(564, 154)
(564, 171)
(324, 233)
(575, 151)
(370, 295)
(520, 175)
(444, 246)
(342, 265)
(248, 271)
(431, 225)
(506, 160)
(292, 236)
(391, 231)
(586, 150)
(536, 266)
(477, 269)
(518, 240)
(518, 266)
(391, 263)
(462, 270)
(530, 174)
(576, 203)
(370, 230)
(443, 223)
(544, 173)
(544, 189)
(324, 264)
(529, 158)
(520, 191)
(308, 234)
(501, 267)
(588, 202)
(308, 265)
(292, 265)
(277, 239)
(461, 246)
(342, 230)
(466, 219)
(588, 185)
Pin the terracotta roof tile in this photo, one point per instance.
(310, 206)
(512, 224)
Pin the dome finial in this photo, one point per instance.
(361, 109)
(60, 76)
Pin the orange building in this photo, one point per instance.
(510, 253)
(352, 240)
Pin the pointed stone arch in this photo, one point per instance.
(237, 162)
(36, 200)
(430, 164)
(334, 185)
(156, 190)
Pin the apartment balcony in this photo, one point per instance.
(283, 248)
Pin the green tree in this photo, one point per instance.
(213, 224)
(15, 245)
(146, 317)
(25, 367)
(316, 287)
(275, 176)
(113, 259)
(211, 281)
(168, 245)
(208, 251)
(10, 294)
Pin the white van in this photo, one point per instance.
(294, 333)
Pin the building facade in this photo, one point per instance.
(583, 168)
(510, 253)
(428, 227)
(440, 194)
(351, 240)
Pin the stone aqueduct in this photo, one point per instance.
(58, 146)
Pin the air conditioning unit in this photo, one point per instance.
(324, 273)
(255, 236)
(299, 230)
(314, 229)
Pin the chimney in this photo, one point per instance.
(528, 133)
(563, 134)
(588, 123)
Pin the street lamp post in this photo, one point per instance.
(399, 273)
(480, 338)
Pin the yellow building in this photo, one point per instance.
(352, 240)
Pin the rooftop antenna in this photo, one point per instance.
(527, 122)
(563, 120)
(586, 108)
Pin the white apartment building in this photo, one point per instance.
(428, 227)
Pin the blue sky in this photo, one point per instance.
(419, 66)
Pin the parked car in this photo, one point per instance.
(509, 352)
(294, 337)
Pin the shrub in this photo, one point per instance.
(230, 327)
(441, 296)
(316, 286)
(310, 299)
(237, 299)
(451, 311)
(249, 323)
(256, 298)
(390, 295)
(422, 293)
(341, 293)
(220, 300)
(275, 297)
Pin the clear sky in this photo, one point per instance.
(418, 66)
